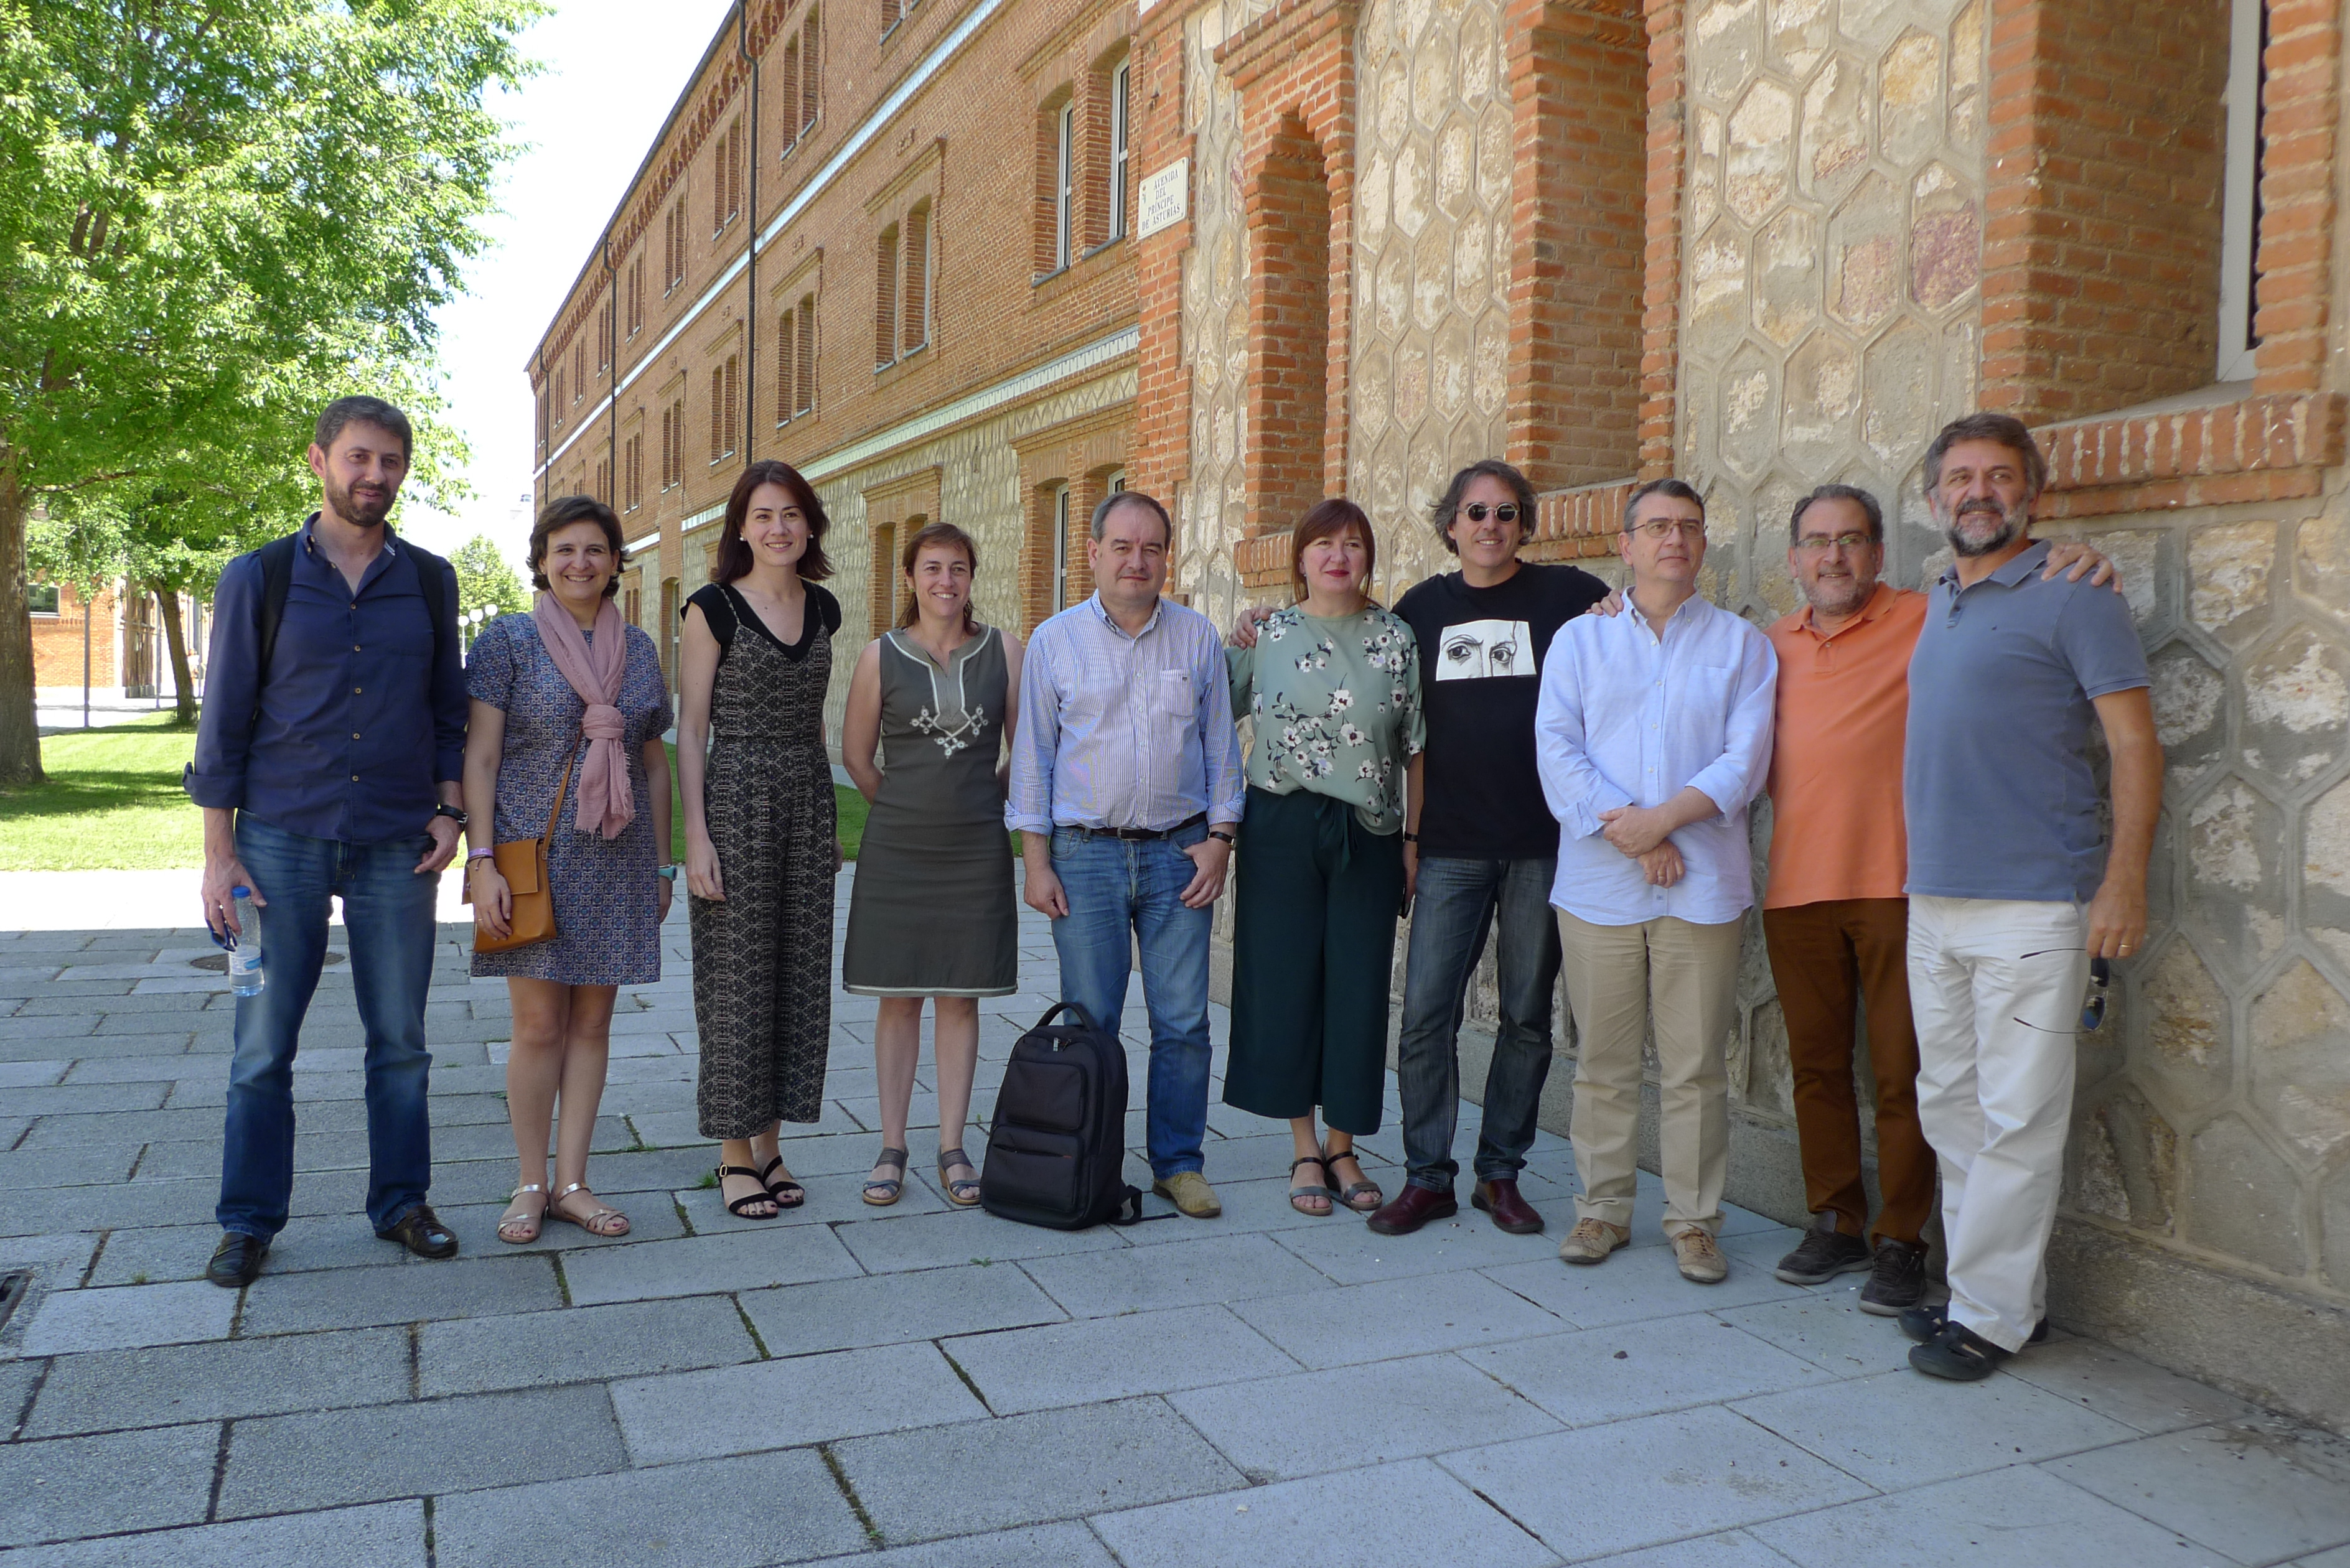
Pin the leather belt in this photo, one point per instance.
(1194, 820)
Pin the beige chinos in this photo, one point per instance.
(1684, 977)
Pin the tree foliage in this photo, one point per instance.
(214, 214)
(486, 579)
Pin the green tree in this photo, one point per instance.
(210, 210)
(486, 579)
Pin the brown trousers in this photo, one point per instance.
(1827, 960)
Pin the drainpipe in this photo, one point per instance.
(611, 351)
(750, 235)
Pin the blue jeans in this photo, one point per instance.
(1121, 889)
(1456, 903)
(388, 909)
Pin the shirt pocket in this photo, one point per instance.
(1700, 705)
(1171, 694)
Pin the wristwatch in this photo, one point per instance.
(1221, 836)
(666, 873)
(442, 808)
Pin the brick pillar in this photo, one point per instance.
(1577, 189)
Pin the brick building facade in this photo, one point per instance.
(1760, 243)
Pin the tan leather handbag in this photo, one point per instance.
(523, 862)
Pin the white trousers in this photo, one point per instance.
(1996, 986)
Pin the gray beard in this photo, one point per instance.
(2010, 525)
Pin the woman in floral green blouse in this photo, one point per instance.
(1333, 689)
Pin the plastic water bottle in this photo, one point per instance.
(244, 947)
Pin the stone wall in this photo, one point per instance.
(1433, 155)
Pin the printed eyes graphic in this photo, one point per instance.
(1463, 651)
(1467, 653)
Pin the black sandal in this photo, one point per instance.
(1325, 1193)
(787, 1193)
(735, 1206)
(882, 1191)
(963, 1192)
(1363, 1196)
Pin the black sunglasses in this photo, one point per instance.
(1475, 511)
(2092, 1011)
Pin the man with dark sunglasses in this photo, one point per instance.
(1481, 846)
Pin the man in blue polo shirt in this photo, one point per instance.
(2012, 887)
(328, 762)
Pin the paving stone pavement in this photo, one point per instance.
(927, 1387)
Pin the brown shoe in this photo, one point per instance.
(1591, 1240)
(1511, 1212)
(1413, 1206)
(1701, 1258)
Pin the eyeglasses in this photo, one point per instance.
(1820, 544)
(1663, 528)
(1476, 512)
(2092, 1011)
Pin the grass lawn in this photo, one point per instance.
(112, 802)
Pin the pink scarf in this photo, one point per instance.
(607, 803)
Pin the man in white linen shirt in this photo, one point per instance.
(1653, 735)
(1126, 785)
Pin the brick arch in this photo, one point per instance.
(1295, 70)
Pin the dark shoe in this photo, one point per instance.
(1511, 1211)
(1413, 1206)
(1897, 1279)
(1823, 1254)
(236, 1261)
(420, 1232)
(1925, 1322)
(1959, 1354)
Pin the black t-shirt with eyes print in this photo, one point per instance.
(1481, 652)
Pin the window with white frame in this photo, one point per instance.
(1060, 549)
(2240, 195)
(1117, 151)
(1064, 182)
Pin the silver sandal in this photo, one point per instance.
(963, 1192)
(538, 1222)
(597, 1222)
(1326, 1194)
(882, 1191)
(1363, 1196)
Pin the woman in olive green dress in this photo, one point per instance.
(932, 913)
(1332, 688)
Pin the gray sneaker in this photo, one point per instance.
(1897, 1279)
(1824, 1253)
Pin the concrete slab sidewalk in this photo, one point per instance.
(920, 1386)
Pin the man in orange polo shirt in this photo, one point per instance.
(1833, 915)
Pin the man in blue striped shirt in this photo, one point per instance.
(1126, 786)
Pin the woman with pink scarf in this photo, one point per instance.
(568, 689)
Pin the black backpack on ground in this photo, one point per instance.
(1057, 1144)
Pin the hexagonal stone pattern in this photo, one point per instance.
(1434, 154)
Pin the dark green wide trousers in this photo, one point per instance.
(1314, 904)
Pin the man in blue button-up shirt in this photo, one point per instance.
(328, 766)
(1652, 734)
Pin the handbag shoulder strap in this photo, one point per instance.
(554, 815)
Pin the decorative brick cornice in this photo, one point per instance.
(2256, 449)
(1263, 560)
(1580, 523)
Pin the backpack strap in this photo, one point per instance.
(432, 576)
(276, 580)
